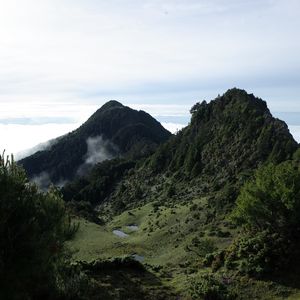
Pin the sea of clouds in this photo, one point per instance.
(35, 124)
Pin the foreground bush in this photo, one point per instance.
(207, 287)
(268, 209)
(33, 229)
(259, 254)
(271, 201)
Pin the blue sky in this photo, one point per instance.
(62, 59)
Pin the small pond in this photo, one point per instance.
(120, 233)
(133, 227)
(137, 257)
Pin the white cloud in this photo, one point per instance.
(19, 137)
(98, 150)
(163, 109)
(63, 49)
(16, 138)
(74, 112)
(295, 131)
(42, 180)
(172, 127)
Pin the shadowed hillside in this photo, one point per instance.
(114, 130)
(226, 140)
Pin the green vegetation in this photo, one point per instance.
(124, 278)
(35, 262)
(227, 139)
(126, 132)
(212, 213)
(181, 198)
(271, 201)
(207, 287)
(157, 230)
(269, 210)
(86, 192)
(178, 250)
(33, 229)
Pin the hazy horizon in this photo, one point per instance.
(42, 128)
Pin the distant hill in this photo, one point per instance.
(226, 140)
(112, 131)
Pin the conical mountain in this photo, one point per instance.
(113, 130)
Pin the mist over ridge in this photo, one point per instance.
(113, 130)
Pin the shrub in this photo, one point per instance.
(271, 201)
(259, 254)
(33, 229)
(207, 287)
(268, 209)
(203, 246)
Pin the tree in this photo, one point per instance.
(33, 229)
(209, 287)
(197, 106)
(268, 208)
(271, 201)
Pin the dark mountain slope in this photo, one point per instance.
(233, 132)
(226, 140)
(123, 131)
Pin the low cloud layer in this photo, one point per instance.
(40, 147)
(98, 150)
(42, 180)
(295, 131)
(18, 138)
(173, 127)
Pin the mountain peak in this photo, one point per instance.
(236, 95)
(236, 91)
(226, 136)
(233, 102)
(111, 104)
(118, 129)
